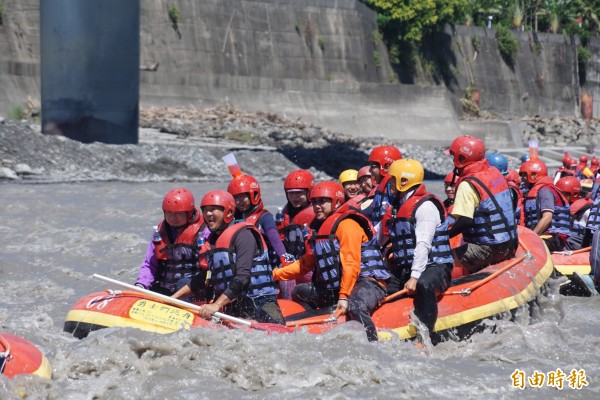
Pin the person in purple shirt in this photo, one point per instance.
(172, 256)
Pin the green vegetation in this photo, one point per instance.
(475, 42)
(469, 103)
(239, 136)
(405, 25)
(16, 113)
(377, 59)
(507, 44)
(1, 11)
(583, 57)
(175, 15)
(377, 37)
(321, 42)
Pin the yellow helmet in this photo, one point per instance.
(408, 173)
(348, 176)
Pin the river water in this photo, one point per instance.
(56, 236)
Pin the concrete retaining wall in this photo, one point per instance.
(592, 85)
(318, 60)
(544, 79)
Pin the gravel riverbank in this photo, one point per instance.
(186, 144)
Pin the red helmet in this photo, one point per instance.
(299, 179)
(583, 159)
(569, 161)
(220, 198)
(531, 166)
(245, 184)
(570, 185)
(512, 176)
(331, 190)
(179, 200)
(466, 150)
(384, 155)
(449, 179)
(364, 171)
(594, 161)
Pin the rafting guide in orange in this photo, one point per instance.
(556, 379)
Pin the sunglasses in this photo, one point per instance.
(320, 200)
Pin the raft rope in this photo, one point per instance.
(4, 355)
(571, 252)
(467, 291)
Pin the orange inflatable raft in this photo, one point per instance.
(492, 291)
(575, 265)
(18, 356)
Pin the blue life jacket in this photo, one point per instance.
(292, 232)
(401, 230)
(494, 217)
(326, 250)
(593, 222)
(578, 208)
(561, 219)
(178, 259)
(380, 203)
(221, 263)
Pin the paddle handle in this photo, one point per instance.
(171, 300)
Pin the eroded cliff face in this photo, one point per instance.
(321, 62)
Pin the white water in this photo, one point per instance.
(56, 236)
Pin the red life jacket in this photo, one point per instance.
(580, 205)
(188, 236)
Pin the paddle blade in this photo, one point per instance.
(270, 327)
(232, 165)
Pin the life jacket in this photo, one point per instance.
(401, 230)
(380, 203)
(593, 222)
(179, 259)
(563, 172)
(292, 235)
(561, 219)
(254, 218)
(517, 199)
(449, 205)
(578, 208)
(595, 189)
(221, 263)
(494, 217)
(579, 171)
(356, 201)
(326, 250)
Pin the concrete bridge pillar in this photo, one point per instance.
(90, 52)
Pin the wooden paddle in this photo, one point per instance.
(571, 252)
(316, 320)
(261, 326)
(515, 261)
(394, 296)
(333, 317)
